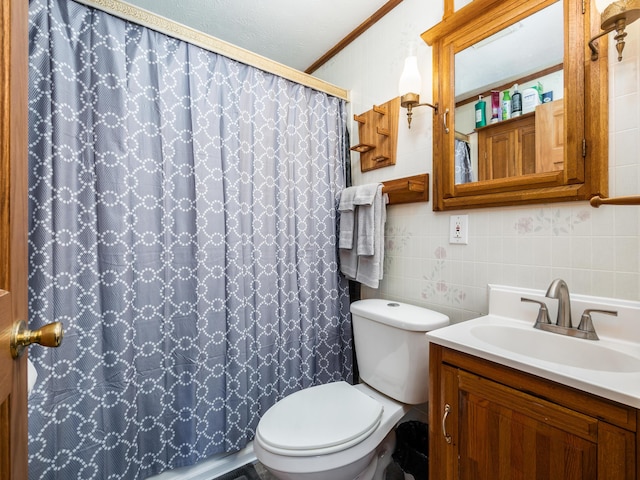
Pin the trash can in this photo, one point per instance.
(412, 449)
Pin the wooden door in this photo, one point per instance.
(497, 154)
(506, 434)
(507, 148)
(13, 234)
(550, 139)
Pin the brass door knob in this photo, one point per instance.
(48, 336)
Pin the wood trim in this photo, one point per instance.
(454, 21)
(13, 220)
(137, 15)
(363, 27)
(596, 115)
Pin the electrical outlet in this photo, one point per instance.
(459, 229)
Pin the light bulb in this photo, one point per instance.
(602, 4)
(410, 80)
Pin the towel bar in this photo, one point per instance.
(408, 189)
(630, 200)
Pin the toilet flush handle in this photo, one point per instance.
(447, 409)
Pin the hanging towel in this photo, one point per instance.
(370, 267)
(362, 256)
(347, 254)
(347, 217)
(365, 225)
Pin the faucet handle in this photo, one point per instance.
(586, 323)
(543, 313)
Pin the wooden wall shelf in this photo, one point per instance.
(408, 189)
(378, 135)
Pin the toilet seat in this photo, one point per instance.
(319, 420)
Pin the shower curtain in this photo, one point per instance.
(463, 162)
(182, 228)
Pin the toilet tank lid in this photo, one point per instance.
(400, 315)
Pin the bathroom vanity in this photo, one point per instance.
(488, 421)
(508, 401)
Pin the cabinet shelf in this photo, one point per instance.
(362, 147)
(407, 189)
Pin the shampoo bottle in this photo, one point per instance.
(506, 105)
(516, 102)
(481, 113)
(496, 111)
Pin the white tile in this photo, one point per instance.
(626, 221)
(603, 283)
(626, 286)
(626, 254)
(626, 141)
(561, 252)
(581, 252)
(626, 180)
(626, 111)
(602, 253)
(581, 283)
(625, 78)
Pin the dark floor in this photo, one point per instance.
(258, 472)
(254, 471)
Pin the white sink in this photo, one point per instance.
(556, 348)
(609, 367)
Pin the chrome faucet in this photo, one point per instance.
(560, 291)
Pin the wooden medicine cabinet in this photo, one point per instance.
(550, 153)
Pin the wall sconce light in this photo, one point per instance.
(409, 87)
(615, 16)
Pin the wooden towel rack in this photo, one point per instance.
(631, 200)
(407, 189)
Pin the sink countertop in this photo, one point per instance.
(621, 334)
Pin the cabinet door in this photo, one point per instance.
(550, 139)
(481, 429)
(497, 154)
(507, 149)
(527, 144)
(506, 434)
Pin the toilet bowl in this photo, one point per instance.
(328, 460)
(340, 431)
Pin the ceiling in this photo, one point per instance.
(295, 33)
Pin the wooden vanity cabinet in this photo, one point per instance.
(508, 148)
(490, 422)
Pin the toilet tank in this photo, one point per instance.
(392, 349)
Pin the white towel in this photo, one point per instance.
(363, 214)
(347, 217)
(370, 267)
(366, 228)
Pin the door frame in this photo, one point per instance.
(13, 228)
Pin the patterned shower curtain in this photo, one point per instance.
(182, 228)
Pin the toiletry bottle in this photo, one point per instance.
(506, 105)
(481, 113)
(496, 112)
(516, 102)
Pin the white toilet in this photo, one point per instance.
(339, 431)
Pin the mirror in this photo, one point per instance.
(537, 153)
(492, 76)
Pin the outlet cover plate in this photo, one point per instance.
(459, 229)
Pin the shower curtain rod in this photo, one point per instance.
(161, 24)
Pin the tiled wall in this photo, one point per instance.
(597, 251)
